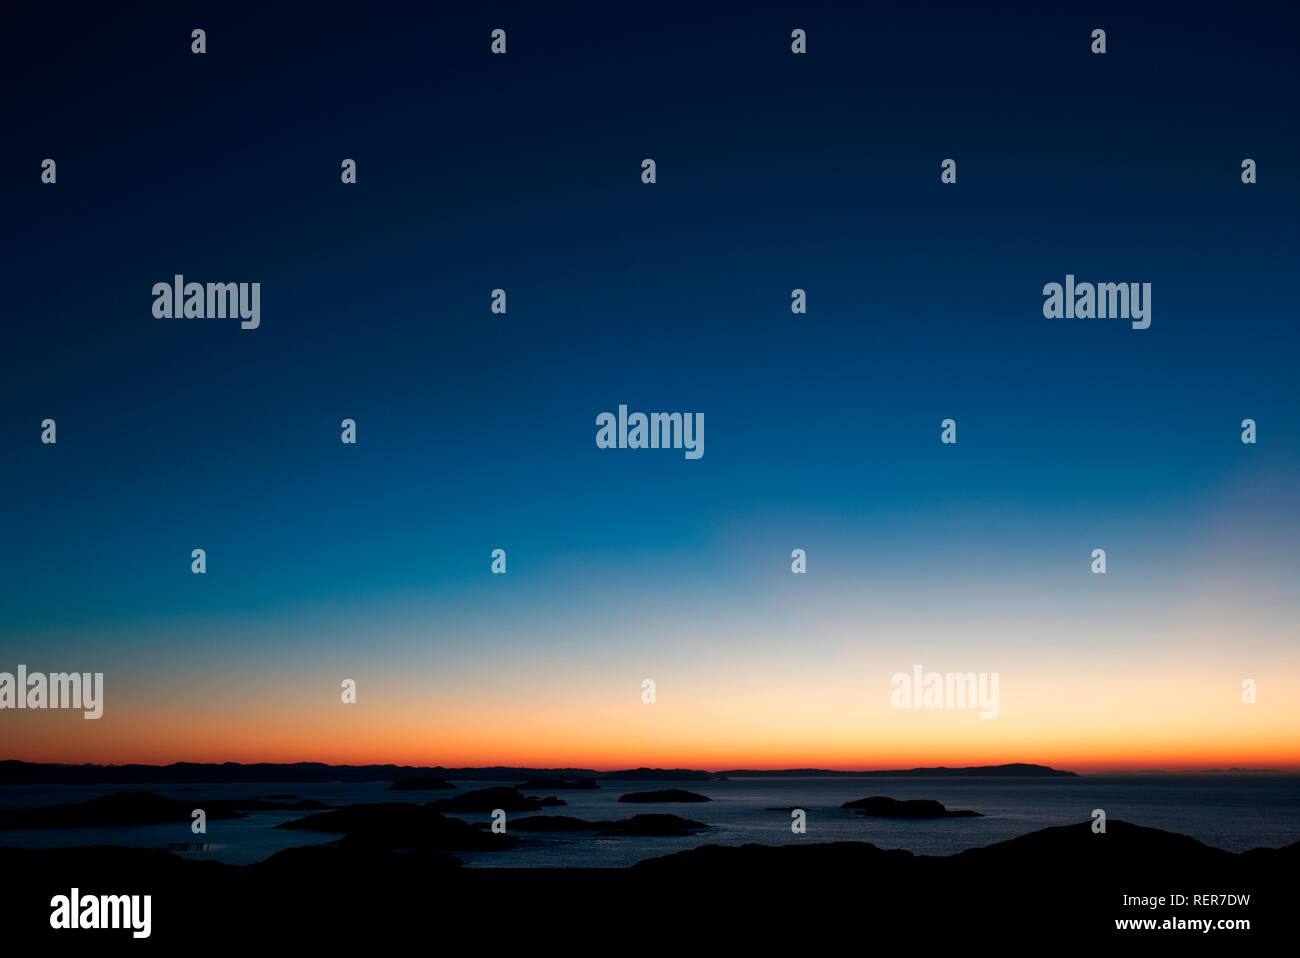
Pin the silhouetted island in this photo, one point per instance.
(487, 800)
(652, 824)
(387, 826)
(667, 795)
(880, 807)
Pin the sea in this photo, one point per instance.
(1228, 811)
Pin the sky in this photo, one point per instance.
(476, 431)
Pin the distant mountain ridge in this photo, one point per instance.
(39, 773)
(14, 772)
(1011, 770)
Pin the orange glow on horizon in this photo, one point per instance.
(605, 762)
(1128, 720)
(180, 738)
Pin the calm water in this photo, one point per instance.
(1231, 812)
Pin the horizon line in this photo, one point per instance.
(673, 768)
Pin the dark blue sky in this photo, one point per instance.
(775, 171)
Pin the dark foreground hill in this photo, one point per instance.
(1058, 885)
